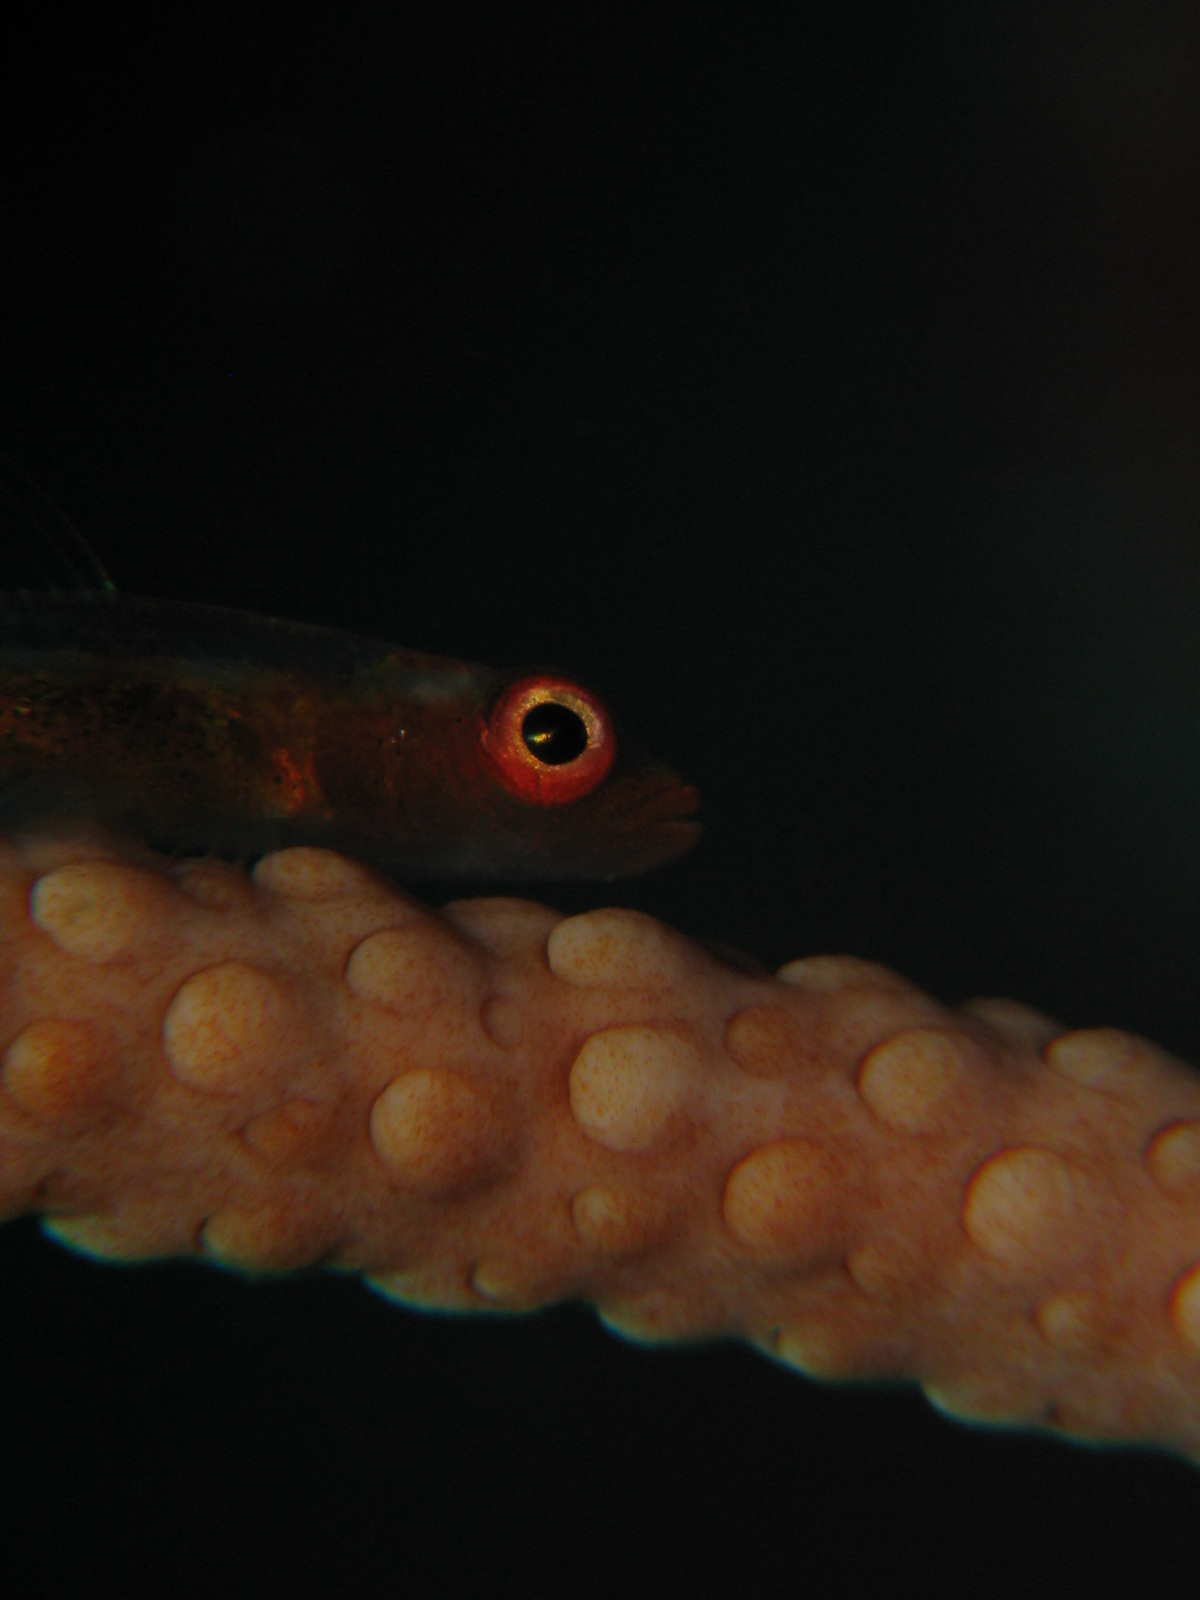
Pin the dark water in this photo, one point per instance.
(825, 395)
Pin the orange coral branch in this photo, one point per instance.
(497, 1107)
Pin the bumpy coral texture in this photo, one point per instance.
(497, 1107)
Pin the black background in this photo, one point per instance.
(826, 393)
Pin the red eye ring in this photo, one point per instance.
(559, 780)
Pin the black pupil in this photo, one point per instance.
(554, 733)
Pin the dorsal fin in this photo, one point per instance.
(42, 548)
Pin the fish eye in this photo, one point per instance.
(554, 733)
(550, 740)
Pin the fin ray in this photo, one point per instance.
(62, 552)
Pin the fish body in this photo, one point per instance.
(193, 727)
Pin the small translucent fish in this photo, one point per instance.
(194, 728)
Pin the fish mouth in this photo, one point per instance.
(662, 796)
(675, 800)
(671, 819)
(656, 822)
(671, 840)
(644, 820)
